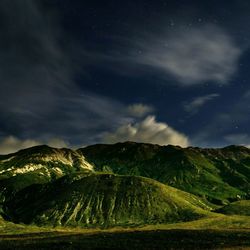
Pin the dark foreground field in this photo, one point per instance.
(158, 239)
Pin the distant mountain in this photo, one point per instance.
(40, 164)
(219, 175)
(103, 200)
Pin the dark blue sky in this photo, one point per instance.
(74, 73)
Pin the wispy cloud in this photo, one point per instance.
(194, 56)
(35, 69)
(148, 131)
(39, 97)
(197, 103)
(189, 56)
(139, 109)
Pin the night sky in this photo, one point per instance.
(74, 73)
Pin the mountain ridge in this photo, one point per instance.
(89, 186)
(39, 164)
(225, 171)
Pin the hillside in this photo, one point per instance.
(103, 200)
(220, 175)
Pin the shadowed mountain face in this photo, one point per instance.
(220, 175)
(104, 200)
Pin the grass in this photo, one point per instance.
(161, 239)
(215, 231)
(206, 233)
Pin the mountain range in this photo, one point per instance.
(123, 184)
(218, 175)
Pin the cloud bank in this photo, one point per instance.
(147, 131)
(12, 144)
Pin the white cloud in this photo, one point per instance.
(193, 56)
(12, 144)
(139, 109)
(148, 131)
(198, 102)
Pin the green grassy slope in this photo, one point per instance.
(220, 175)
(236, 208)
(103, 200)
